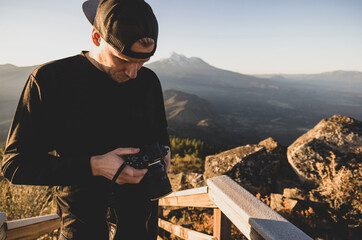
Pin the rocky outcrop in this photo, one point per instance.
(329, 157)
(334, 141)
(253, 166)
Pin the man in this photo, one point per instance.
(92, 109)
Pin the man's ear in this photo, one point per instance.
(96, 38)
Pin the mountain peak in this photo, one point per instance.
(177, 57)
(7, 66)
(179, 60)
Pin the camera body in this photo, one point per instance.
(150, 156)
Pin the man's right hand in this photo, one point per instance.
(107, 165)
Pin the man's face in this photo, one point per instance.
(118, 66)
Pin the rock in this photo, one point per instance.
(290, 204)
(253, 166)
(329, 159)
(336, 140)
(218, 164)
(278, 202)
(183, 181)
(295, 193)
(272, 146)
(254, 172)
(283, 173)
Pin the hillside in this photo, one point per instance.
(12, 80)
(192, 117)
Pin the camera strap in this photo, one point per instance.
(111, 216)
(120, 169)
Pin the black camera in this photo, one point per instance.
(157, 183)
(150, 156)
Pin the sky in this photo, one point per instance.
(245, 36)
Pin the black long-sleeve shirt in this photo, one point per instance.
(72, 107)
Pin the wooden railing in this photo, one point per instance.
(231, 204)
(28, 229)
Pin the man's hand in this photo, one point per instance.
(167, 159)
(107, 165)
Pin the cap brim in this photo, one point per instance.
(90, 9)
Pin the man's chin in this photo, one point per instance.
(120, 79)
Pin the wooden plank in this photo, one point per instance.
(189, 192)
(160, 211)
(2, 232)
(31, 231)
(222, 226)
(235, 217)
(198, 200)
(182, 232)
(253, 218)
(2, 225)
(2, 218)
(30, 221)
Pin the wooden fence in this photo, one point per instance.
(230, 202)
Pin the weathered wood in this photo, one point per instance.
(2, 225)
(192, 191)
(160, 212)
(2, 218)
(182, 232)
(2, 232)
(196, 197)
(222, 225)
(32, 228)
(252, 217)
(198, 200)
(30, 221)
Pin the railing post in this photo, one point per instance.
(222, 226)
(160, 212)
(2, 226)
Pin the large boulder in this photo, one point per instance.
(329, 158)
(333, 141)
(253, 166)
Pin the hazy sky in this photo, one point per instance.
(246, 36)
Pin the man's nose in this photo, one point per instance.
(132, 70)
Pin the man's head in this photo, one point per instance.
(123, 29)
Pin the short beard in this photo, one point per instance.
(117, 76)
(113, 74)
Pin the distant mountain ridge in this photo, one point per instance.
(212, 102)
(334, 76)
(256, 106)
(343, 80)
(177, 70)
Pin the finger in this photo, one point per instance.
(168, 165)
(129, 179)
(125, 151)
(136, 172)
(131, 175)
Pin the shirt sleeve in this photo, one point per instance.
(27, 159)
